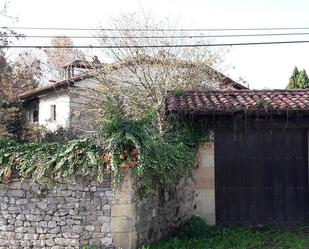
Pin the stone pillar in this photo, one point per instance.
(204, 176)
(123, 215)
(136, 222)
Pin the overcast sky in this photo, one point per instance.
(264, 66)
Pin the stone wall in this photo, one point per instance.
(84, 115)
(90, 214)
(33, 216)
(162, 214)
(138, 222)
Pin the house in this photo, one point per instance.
(255, 169)
(63, 103)
(53, 104)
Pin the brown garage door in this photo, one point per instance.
(261, 177)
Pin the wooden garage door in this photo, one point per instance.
(261, 178)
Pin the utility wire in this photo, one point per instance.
(156, 37)
(167, 29)
(155, 46)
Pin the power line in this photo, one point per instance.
(155, 46)
(159, 29)
(157, 37)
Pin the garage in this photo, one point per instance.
(261, 177)
(253, 169)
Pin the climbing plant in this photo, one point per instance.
(154, 160)
(124, 144)
(45, 163)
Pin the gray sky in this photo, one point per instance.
(262, 66)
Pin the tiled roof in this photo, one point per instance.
(228, 102)
(51, 87)
(85, 64)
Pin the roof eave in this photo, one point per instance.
(261, 112)
(33, 94)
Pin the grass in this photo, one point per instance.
(197, 235)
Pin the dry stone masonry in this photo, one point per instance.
(162, 214)
(33, 216)
(137, 222)
(89, 214)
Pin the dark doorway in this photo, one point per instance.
(261, 177)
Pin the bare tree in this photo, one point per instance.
(27, 71)
(57, 58)
(140, 77)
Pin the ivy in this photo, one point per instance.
(124, 144)
(154, 160)
(49, 162)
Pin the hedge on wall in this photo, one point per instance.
(124, 144)
(49, 162)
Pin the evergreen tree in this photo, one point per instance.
(293, 79)
(303, 80)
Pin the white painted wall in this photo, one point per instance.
(62, 102)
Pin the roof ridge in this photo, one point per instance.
(249, 101)
(243, 91)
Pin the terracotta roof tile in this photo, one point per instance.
(55, 86)
(228, 101)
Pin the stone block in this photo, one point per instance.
(32, 217)
(30, 236)
(16, 184)
(17, 193)
(106, 241)
(206, 155)
(125, 240)
(66, 242)
(205, 182)
(124, 210)
(121, 224)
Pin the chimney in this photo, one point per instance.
(95, 59)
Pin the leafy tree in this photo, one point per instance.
(15, 78)
(9, 115)
(293, 81)
(5, 83)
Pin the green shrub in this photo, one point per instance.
(157, 161)
(124, 143)
(49, 162)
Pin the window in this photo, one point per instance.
(29, 116)
(35, 116)
(33, 112)
(53, 116)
